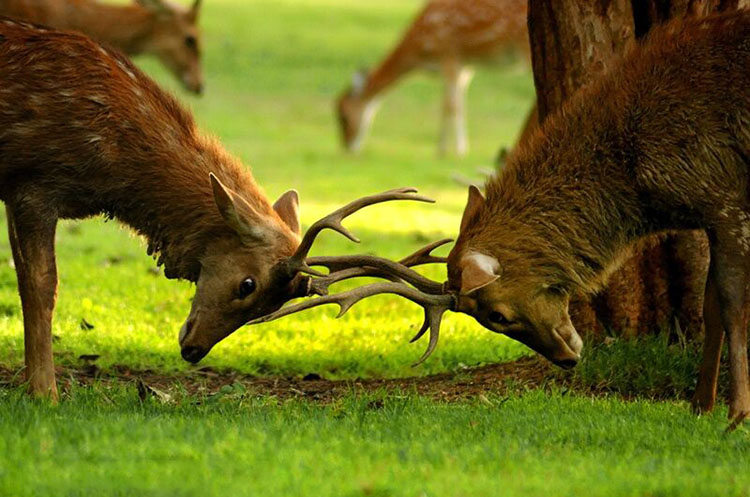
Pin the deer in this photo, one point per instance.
(449, 35)
(84, 132)
(659, 143)
(163, 29)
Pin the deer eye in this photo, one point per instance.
(498, 318)
(247, 287)
(191, 42)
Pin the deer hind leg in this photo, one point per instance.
(705, 392)
(457, 79)
(32, 239)
(731, 272)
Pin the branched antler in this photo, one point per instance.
(434, 306)
(357, 266)
(431, 297)
(333, 221)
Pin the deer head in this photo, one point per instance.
(237, 280)
(355, 112)
(175, 40)
(509, 298)
(259, 268)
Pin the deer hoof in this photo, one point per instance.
(736, 420)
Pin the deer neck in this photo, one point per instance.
(398, 63)
(169, 200)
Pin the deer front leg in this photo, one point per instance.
(732, 286)
(457, 79)
(32, 239)
(705, 392)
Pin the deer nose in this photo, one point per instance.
(193, 354)
(567, 363)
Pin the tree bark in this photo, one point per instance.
(572, 42)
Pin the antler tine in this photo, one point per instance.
(434, 305)
(432, 319)
(424, 255)
(334, 219)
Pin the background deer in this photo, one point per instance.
(84, 132)
(448, 35)
(156, 27)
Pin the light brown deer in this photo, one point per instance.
(448, 35)
(84, 132)
(660, 143)
(155, 27)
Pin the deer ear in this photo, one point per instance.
(478, 270)
(287, 207)
(238, 214)
(473, 205)
(194, 11)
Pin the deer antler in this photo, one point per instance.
(424, 255)
(357, 266)
(296, 263)
(434, 307)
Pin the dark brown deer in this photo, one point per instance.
(84, 132)
(448, 35)
(154, 27)
(660, 143)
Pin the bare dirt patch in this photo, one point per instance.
(498, 379)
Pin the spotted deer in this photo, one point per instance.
(84, 132)
(448, 35)
(661, 142)
(160, 28)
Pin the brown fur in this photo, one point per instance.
(154, 27)
(84, 132)
(660, 143)
(447, 35)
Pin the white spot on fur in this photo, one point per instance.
(126, 70)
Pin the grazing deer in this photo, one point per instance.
(84, 132)
(449, 35)
(660, 143)
(155, 27)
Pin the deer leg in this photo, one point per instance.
(32, 238)
(732, 288)
(457, 79)
(705, 392)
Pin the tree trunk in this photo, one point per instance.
(573, 42)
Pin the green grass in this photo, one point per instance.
(273, 68)
(107, 442)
